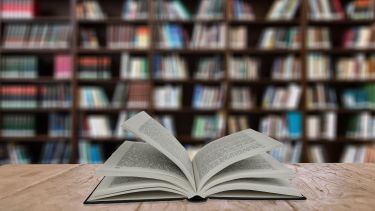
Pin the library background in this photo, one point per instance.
(301, 71)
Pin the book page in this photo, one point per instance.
(115, 186)
(136, 159)
(230, 149)
(153, 133)
(275, 186)
(258, 166)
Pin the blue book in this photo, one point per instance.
(157, 64)
(294, 124)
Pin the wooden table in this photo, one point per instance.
(65, 187)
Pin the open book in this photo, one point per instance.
(235, 166)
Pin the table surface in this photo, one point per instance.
(65, 187)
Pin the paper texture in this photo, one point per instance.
(227, 150)
(152, 132)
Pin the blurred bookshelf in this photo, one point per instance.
(301, 71)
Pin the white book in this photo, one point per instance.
(294, 92)
(161, 169)
(331, 125)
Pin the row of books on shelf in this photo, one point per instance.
(321, 96)
(52, 36)
(137, 95)
(26, 67)
(89, 152)
(357, 67)
(25, 125)
(32, 96)
(51, 153)
(334, 10)
(133, 95)
(174, 36)
(350, 154)
(207, 9)
(13, 9)
(174, 66)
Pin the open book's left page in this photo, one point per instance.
(142, 161)
(153, 133)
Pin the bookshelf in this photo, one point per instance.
(63, 12)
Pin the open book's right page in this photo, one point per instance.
(230, 149)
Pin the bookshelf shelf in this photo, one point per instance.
(40, 138)
(51, 19)
(266, 22)
(39, 80)
(62, 12)
(35, 110)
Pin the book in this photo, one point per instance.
(290, 152)
(171, 36)
(359, 97)
(225, 166)
(94, 67)
(138, 95)
(135, 9)
(96, 126)
(241, 10)
(36, 36)
(89, 38)
(18, 96)
(237, 123)
(167, 97)
(208, 36)
(18, 154)
(358, 154)
(317, 154)
(90, 10)
(326, 10)
(288, 126)
(92, 97)
(18, 125)
(133, 67)
(208, 126)
(322, 126)
(90, 152)
(209, 68)
(361, 126)
(318, 38)
(210, 9)
(358, 67)
(55, 153)
(170, 67)
(121, 36)
(63, 67)
(280, 38)
(286, 68)
(282, 97)
(119, 132)
(207, 97)
(360, 10)
(55, 96)
(283, 9)
(238, 37)
(59, 125)
(19, 67)
(18, 9)
(167, 121)
(319, 96)
(171, 10)
(243, 68)
(318, 66)
(242, 98)
(359, 37)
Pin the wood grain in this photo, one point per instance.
(65, 187)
